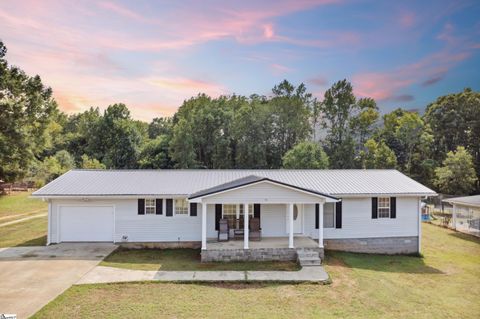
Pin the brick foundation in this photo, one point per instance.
(382, 245)
(163, 245)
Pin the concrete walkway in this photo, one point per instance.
(101, 274)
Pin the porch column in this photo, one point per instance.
(204, 226)
(290, 226)
(320, 225)
(454, 216)
(245, 226)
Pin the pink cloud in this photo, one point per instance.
(407, 19)
(268, 31)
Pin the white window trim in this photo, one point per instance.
(384, 207)
(150, 206)
(175, 207)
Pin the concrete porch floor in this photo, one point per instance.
(265, 242)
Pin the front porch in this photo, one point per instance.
(267, 249)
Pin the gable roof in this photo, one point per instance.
(248, 180)
(173, 182)
(466, 200)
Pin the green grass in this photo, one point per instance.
(13, 205)
(182, 259)
(443, 284)
(30, 232)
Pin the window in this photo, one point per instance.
(250, 210)
(230, 214)
(149, 206)
(329, 215)
(181, 207)
(384, 207)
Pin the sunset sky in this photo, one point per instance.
(151, 55)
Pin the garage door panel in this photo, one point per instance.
(86, 223)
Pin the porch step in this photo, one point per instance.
(308, 257)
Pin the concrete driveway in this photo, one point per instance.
(30, 277)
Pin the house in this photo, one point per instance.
(466, 214)
(371, 211)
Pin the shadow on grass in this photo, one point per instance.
(384, 263)
(184, 259)
(39, 241)
(467, 237)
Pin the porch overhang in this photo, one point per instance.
(261, 190)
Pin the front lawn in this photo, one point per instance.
(182, 259)
(31, 232)
(443, 284)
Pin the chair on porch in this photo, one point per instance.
(223, 230)
(255, 233)
(238, 231)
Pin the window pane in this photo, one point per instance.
(328, 215)
(149, 206)
(181, 207)
(230, 213)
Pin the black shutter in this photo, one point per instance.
(393, 207)
(317, 215)
(218, 215)
(141, 206)
(256, 211)
(338, 215)
(374, 207)
(169, 208)
(193, 209)
(159, 206)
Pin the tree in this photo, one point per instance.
(339, 108)
(155, 153)
(91, 163)
(307, 155)
(363, 123)
(378, 155)
(455, 121)
(52, 167)
(457, 175)
(160, 126)
(183, 152)
(26, 109)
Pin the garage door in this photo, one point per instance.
(86, 223)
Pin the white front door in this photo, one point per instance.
(297, 219)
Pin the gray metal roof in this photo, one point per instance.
(250, 179)
(466, 200)
(185, 182)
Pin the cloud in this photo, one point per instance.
(407, 19)
(279, 69)
(318, 81)
(433, 80)
(403, 98)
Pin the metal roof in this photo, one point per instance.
(467, 200)
(251, 179)
(185, 182)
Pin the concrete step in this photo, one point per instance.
(307, 257)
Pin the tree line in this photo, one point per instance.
(288, 129)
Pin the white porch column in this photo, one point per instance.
(245, 226)
(320, 225)
(290, 226)
(204, 226)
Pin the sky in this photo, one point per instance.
(152, 55)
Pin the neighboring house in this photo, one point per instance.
(373, 211)
(466, 214)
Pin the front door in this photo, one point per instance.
(297, 219)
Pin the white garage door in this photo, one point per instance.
(86, 223)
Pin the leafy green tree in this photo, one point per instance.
(363, 124)
(457, 175)
(306, 155)
(26, 109)
(160, 126)
(455, 121)
(378, 155)
(291, 109)
(91, 163)
(155, 153)
(183, 152)
(339, 109)
(52, 167)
